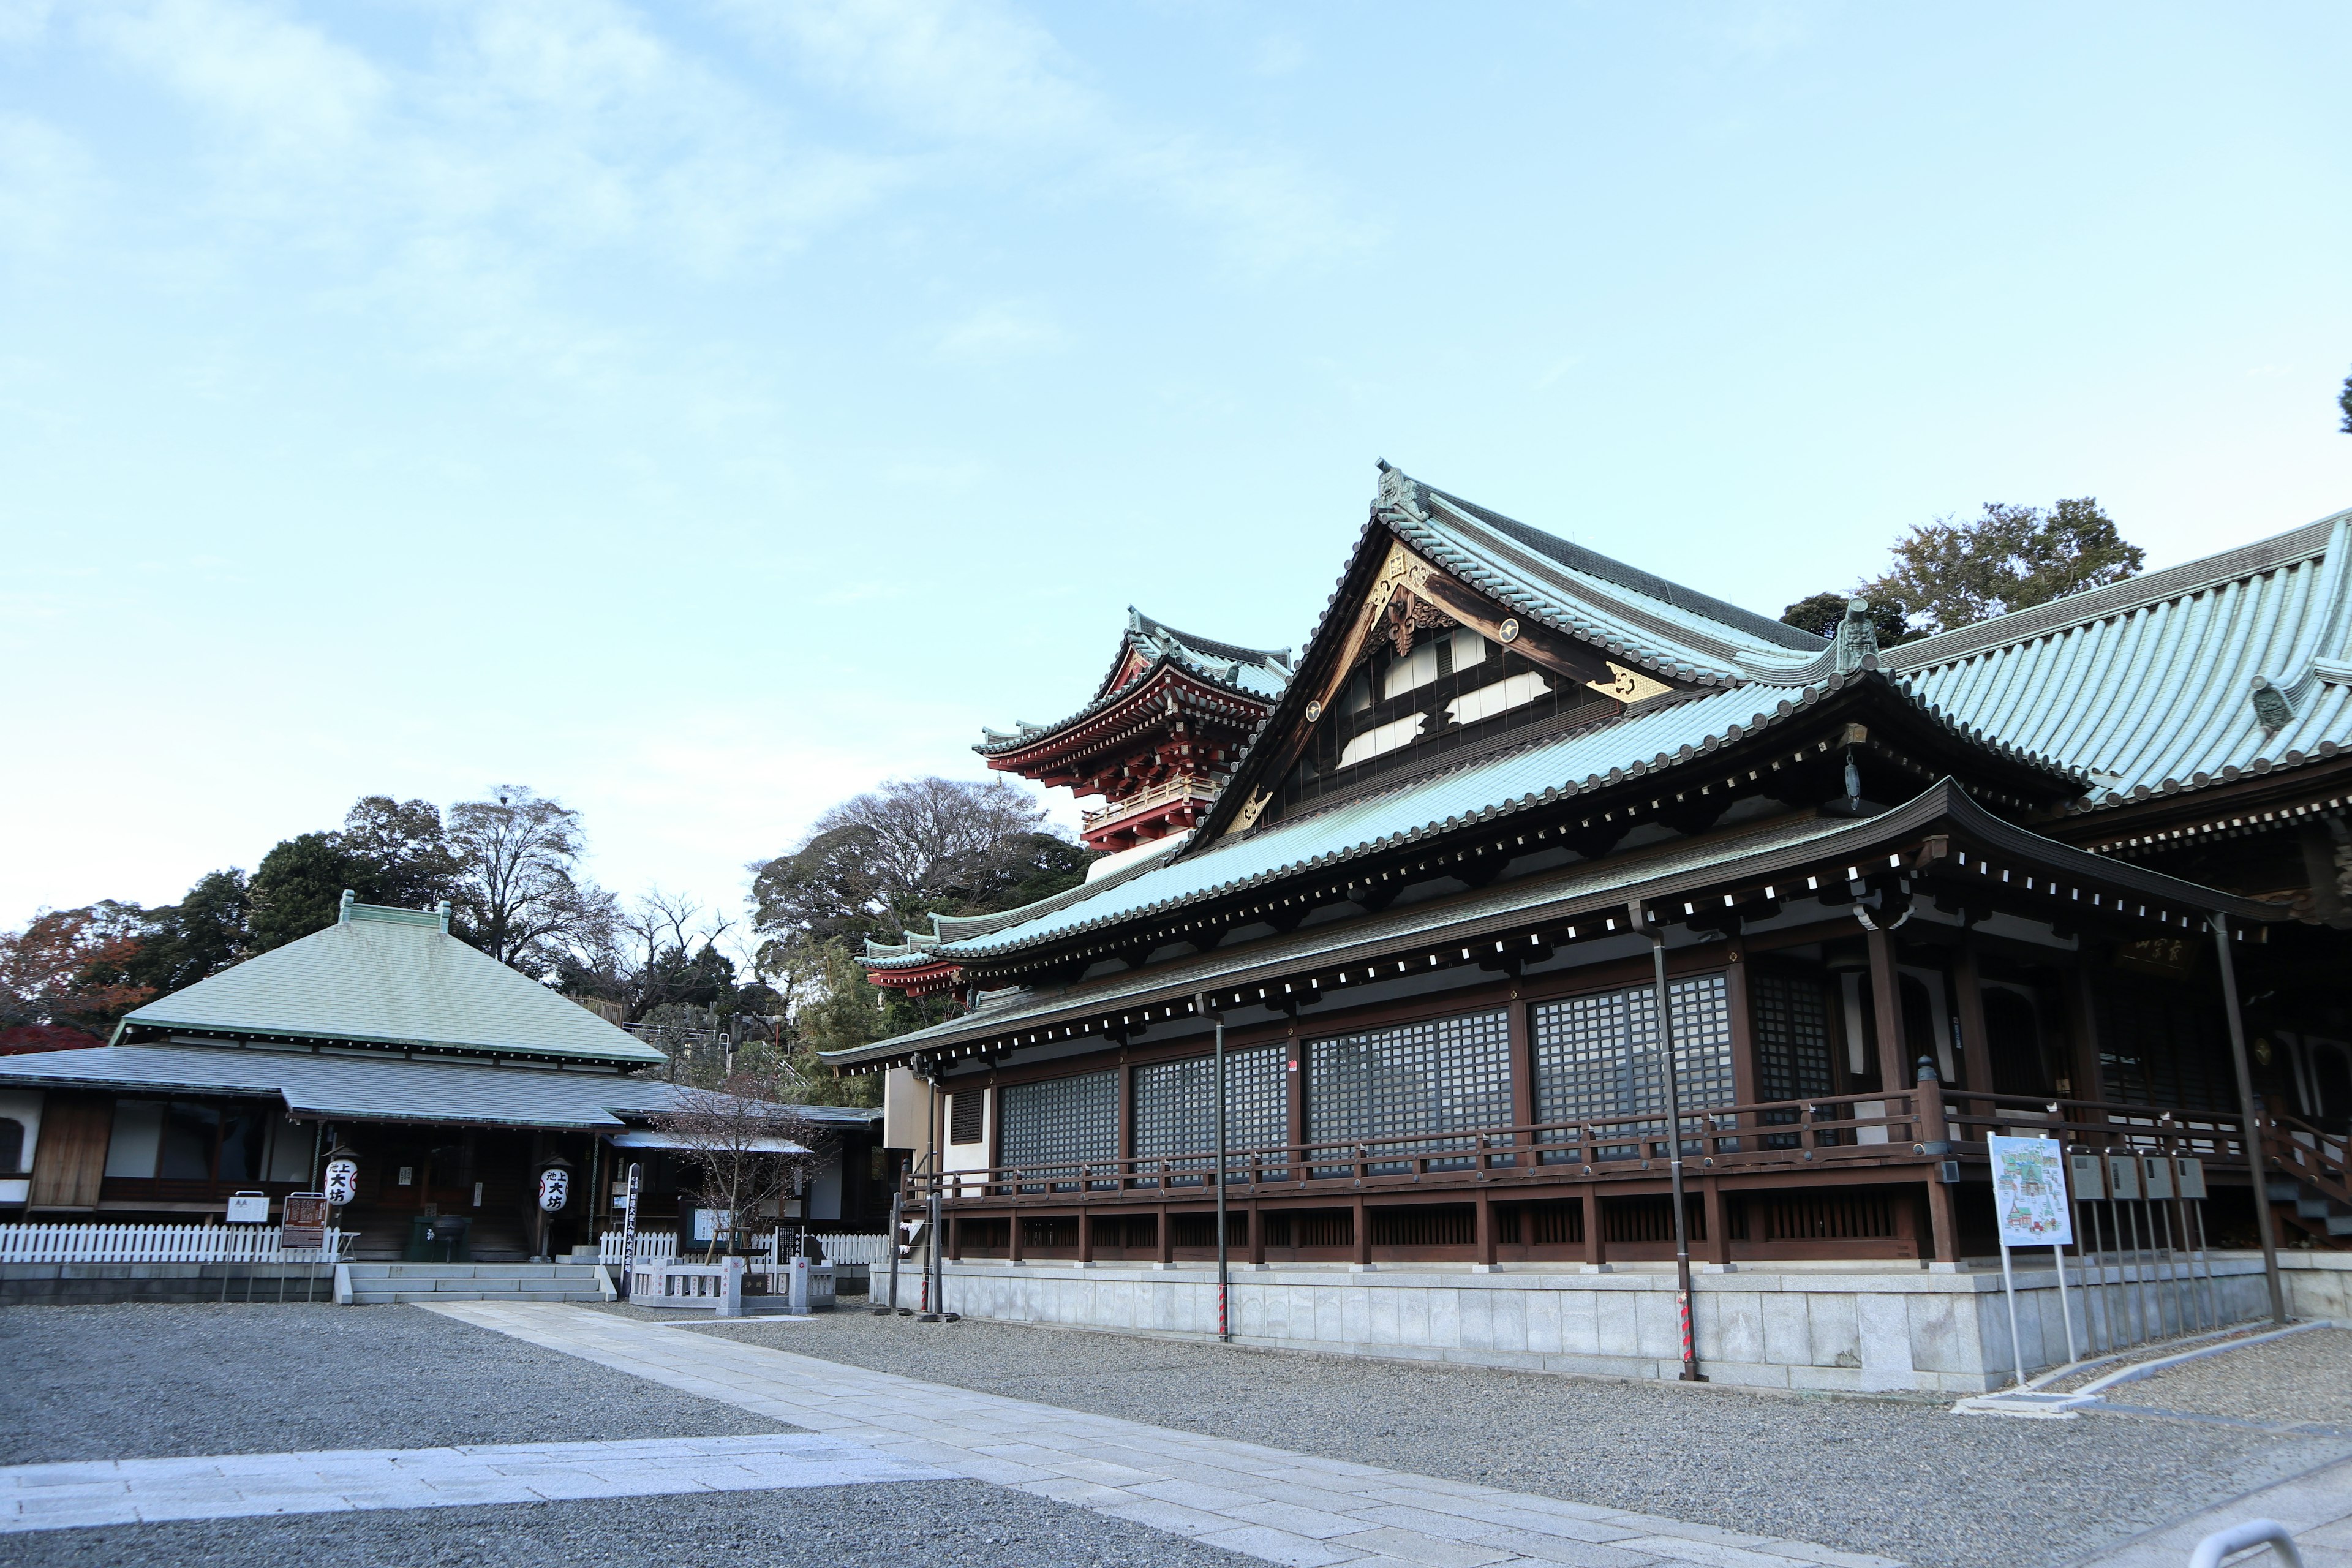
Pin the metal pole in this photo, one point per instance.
(896, 1199)
(2016, 1345)
(1224, 1271)
(1690, 1373)
(2255, 1160)
(629, 1224)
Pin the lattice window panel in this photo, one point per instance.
(1597, 1058)
(967, 1115)
(1175, 1108)
(1790, 1019)
(1055, 1124)
(1445, 1075)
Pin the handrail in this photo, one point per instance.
(2241, 1537)
(2309, 1154)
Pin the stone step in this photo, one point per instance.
(415, 1298)
(564, 1271)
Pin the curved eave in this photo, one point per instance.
(137, 1025)
(1041, 747)
(1570, 895)
(2058, 781)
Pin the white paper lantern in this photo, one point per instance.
(554, 1189)
(342, 1181)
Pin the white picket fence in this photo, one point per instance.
(661, 1243)
(159, 1244)
(865, 1249)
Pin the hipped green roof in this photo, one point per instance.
(392, 978)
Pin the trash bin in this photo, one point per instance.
(439, 1239)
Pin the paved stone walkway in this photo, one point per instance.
(232, 1485)
(1265, 1502)
(2317, 1508)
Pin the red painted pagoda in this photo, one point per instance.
(1156, 743)
(1159, 739)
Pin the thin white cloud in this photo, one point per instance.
(982, 80)
(967, 69)
(48, 183)
(999, 333)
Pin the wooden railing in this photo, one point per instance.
(2311, 1156)
(1183, 787)
(1910, 1126)
(2107, 1125)
(1869, 1128)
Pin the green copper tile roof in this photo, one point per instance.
(1619, 608)
(395, 982)
(2149, 686)
(1643, 740)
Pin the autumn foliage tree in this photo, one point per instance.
(1950, 574)
(64, 978)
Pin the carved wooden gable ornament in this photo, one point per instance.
(1409, 598)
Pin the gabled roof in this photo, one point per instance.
(2239, 663)
(393, 978)
(1649, 739)
(1673, 630)
(1145, 648)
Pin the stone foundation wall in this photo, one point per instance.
(84, 1284)
(1854, 1327)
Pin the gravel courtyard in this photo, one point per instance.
(1904, 1477)
(157, 1380)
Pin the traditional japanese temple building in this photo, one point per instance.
(1903, 897)
(452, 1077)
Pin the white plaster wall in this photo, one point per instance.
(24, 1106)
(971, 1156)
(1855, 1328)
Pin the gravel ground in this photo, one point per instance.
(158, 1380)
(2306, 1377)
(1901, 1476)
(937, 1524)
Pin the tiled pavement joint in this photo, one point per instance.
(78, 1495)
(1269, 1503)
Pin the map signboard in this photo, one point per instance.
(2029, 1191)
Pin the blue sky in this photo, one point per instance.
(702, 411)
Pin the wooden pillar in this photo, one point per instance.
(1295, 1111)
(1013, 1237)
(1126, 1117)
(955, 1239)
(1363, 1233)
(1886, 1008)
(1975, 1050)
(1940, 1221)
(1718, 1232)
(1485, 1228)
(1743, 1040)
(1523, 1082)
(1166, 1238)
(1257, 1234)
(2083, 1027)
(1593, 1250)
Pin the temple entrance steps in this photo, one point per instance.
(386, 1284)
(2314, 1213)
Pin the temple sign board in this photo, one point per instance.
(2029, 1185)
